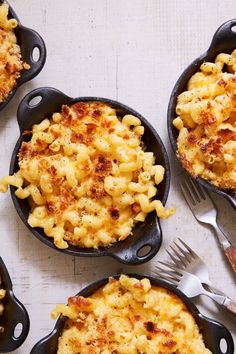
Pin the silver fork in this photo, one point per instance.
(183, 257)
(204, 211)
(189, 283)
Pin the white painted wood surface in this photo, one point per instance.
(132, 51)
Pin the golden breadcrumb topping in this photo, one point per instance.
(10, 55)
(129, 316)
(207, 122)
(87, 175)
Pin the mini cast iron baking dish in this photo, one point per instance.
(211, 330)
(145, 234)
(224, 40)
(14, 314)
(28, 40)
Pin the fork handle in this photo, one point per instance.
(230, 253)
(229, 250)
(232, 306)
(222, 300)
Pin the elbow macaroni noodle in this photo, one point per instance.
(129, 316)
(10, 56)
(207, 122)
(87, 176)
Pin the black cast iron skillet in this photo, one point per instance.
(224, 40)
(28, 40)
(211, 330)
(145, 234)
(14, 314)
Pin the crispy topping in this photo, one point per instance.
(81, 109)
(233, 96)
(114, 212)
(77, 138)
(91, 128)
(227, 135)
(97, 113)
(42, 145)
(24, 150)
(135, 208)
(150, 326)
(208, 118)
(126, 136)
(50, 207)
(52, 170)
(79, 301)
(66, 116)
(73, 163)
(57, 181)
(188, 165)
(222, 82)
(192, 138)
(103, 165)
(138, 285)
(212, 147)
(117, 321)
(97, 189)
(170, 343)
(106, 123)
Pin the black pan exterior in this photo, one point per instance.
(224, 40)
(27, 39)
(211, 330)
(14, 313)
(145, 234)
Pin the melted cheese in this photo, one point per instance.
(207, 122)
(129, 316)
(10, 55)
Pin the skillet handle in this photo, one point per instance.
(20, 317)
(223, 37)
(16, 314)
(215, 333)
(5, 275)
(48, 344)
(29, 113)
(142, 250)
(32, 40)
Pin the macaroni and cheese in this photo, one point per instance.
(87, 175)
(207, 122)
(2, 295)
(129, 316)
(10, 56)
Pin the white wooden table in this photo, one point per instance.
(132, 51)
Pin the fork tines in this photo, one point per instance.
(192, 191)
(181, 255)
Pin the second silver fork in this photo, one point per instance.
(205, 211)
(187, 271)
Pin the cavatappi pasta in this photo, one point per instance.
(87, 175)
(129, 316)
(10, 56)
(2, 295)
(207, 122)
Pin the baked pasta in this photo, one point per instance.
(10, 55)
(2, 295)
(87, 175)
(129, 316)
(207, 122)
